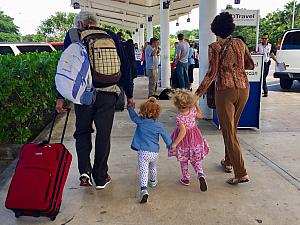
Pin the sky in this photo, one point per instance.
(28, 14)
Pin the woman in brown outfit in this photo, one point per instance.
(228, 59)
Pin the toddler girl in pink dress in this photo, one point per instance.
(188, 142)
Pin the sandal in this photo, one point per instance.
(235, 181)
(227, 169)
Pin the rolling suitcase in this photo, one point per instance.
(37, 186)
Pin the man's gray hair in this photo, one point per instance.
(85, 17)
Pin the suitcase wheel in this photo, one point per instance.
(52, 218)
(18, 214)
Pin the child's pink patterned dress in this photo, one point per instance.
(193, 146)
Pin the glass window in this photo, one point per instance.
(34, 48)
(291, 41)
(4, 50)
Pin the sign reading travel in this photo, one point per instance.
(244, 17)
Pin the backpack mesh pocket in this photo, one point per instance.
(106, 61)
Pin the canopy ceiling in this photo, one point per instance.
(128, 14)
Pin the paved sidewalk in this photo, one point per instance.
(272, 158)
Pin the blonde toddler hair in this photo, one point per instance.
(183, 100)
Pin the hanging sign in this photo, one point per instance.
(243, 17)
(76, 5)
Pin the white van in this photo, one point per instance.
(16, 48)
(289, 53)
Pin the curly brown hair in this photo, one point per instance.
(223, 25)
(183, 100)
(150, 109)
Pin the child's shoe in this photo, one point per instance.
(144, 196)
(184, 182)
(152, 183)
(202, 181)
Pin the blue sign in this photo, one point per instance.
(237, 1)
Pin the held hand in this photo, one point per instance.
(131, 102)
(60, 106)
(173, 147)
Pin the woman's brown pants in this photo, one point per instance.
(230, 104)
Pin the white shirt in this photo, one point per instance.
(266, 50)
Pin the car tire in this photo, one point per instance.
(286, 83)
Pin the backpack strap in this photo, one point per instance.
(74, 35)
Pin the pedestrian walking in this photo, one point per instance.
(188, 142)
(101, 112)
(146, 142)
(228, 59)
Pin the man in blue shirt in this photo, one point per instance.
(152, 65)
(101, 112)
(182, 53)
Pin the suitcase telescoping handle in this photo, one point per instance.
(65, 125)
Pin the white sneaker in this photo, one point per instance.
(144, 196)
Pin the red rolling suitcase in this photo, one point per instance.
(37, 186)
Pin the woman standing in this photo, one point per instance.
(228, 59)
(191, 64)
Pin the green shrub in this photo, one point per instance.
(27, 94)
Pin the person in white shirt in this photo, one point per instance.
(269, 52)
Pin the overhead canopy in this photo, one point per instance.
(128, 14)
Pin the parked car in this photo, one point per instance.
(16, 48)
(289, 53)
(57, 45)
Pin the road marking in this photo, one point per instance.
(278, 169)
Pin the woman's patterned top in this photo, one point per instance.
(230, 73)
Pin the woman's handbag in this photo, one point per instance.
(210, 95)
(211, 91)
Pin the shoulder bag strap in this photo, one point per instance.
(74, 35)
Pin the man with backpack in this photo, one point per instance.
(110, 69)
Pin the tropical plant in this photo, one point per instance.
(27, 94)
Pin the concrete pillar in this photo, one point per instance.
(165, 44)
(149, 28)
(141, 35)
(207, 12)
(137, 37)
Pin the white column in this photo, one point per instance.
(165, 45)
(207, 12)
(137, 36)
(149, 28)
(142, 35)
